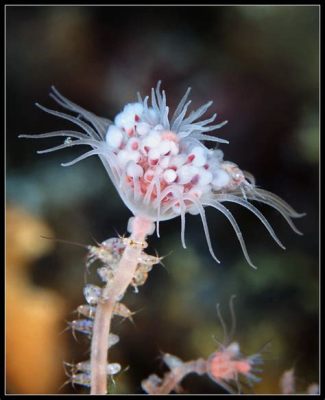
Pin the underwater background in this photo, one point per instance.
(260, 66)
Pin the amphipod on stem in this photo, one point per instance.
(111, 294)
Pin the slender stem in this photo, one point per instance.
(112, 293)
(173, 378)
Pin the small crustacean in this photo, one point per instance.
(140, 276)
(149, 260)
(82, 325)
(228, 364)
(86, 310)
(224, 366)
(79, 378)
(112, 340)
(80, 373)
(109, 252)
(92, 293)
(85, 326)
(84, 366)
(121, 310)
(145, 265)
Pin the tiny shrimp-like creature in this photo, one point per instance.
(227, 364)
(160, 166)
(224, 366)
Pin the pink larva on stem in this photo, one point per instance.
(142, 147)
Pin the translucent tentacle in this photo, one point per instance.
(164, 118)
(154, 100)
(89, 142)
(147, 115)
(197, 113)
(202, 136)
(99, 123)
(281, 210)
(169, 189)
(178, 121)
(139, 97)
(254, 210)
(153, 183)
(178, 198)
(159, 96)
(264, 194)
(198, 127)
(180, 106)
(150, 187)
(87, 128)
(74, 134)
(233, 318)
(215, 204)
(207, 121)
(82, 157)
(145, 103)
(204, 223)
(223, 325)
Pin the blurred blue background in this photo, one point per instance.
(260, 66)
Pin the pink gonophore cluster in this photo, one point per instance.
(159, 165)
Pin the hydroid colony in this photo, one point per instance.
(161, 169)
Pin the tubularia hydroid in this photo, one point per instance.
(162, 170)
(159, 165)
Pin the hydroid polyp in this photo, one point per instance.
(160, 166)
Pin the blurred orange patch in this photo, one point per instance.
(34, 348)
